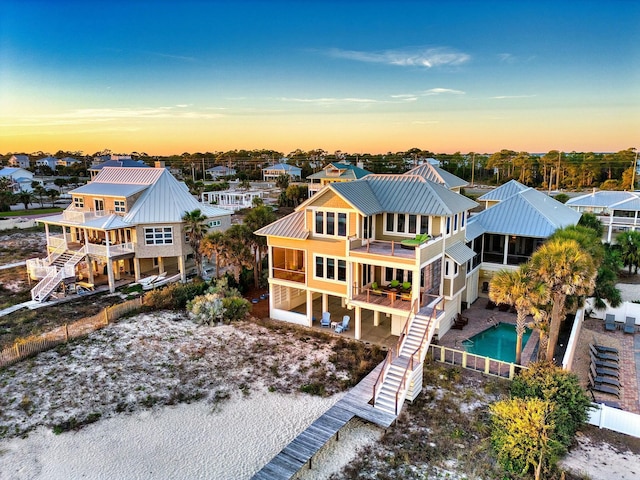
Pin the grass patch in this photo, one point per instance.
(31, 211)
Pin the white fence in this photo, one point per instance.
(615, 419)
(626, 309)
(572, 344)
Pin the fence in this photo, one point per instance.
(486, 365)
(603, 416)
(27, 347)
(572, 344)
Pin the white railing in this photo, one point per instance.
(572, 344)
(42, 290)
(38, 268)
(80, 216)
(56, 241)
(603, 416)
(109, 251)
(470, 361)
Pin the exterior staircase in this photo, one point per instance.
(60, 267)
(401, 375)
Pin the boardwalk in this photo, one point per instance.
(302, 449)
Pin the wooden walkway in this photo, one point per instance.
(302, 448)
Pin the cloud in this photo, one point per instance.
(442, 91)
(326, 101)
(411, 57)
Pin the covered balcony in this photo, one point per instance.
(288, 264)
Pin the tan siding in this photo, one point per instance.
(330, 200)
(430, 251)
(459, 281)
(178, 248)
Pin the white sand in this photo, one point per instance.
(186, 441)
(601, 461)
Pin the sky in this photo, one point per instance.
(165, 77)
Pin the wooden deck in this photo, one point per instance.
(301, 450)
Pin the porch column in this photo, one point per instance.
(309, 308)
(183, 272)
(358, 322)
(116, 269)
(112, 281)
(160, 265)
(136, 268)
(610, 227)
(376, 318)
(89, 261)
(506, 249)
(325, 302)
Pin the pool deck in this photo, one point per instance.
(480, 319)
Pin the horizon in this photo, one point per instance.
(375, 77)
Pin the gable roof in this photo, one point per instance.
(436, 174)
(347, 171)
(504, 191)
(602, 198)
(127, 163)
(291, 226)
(10, 171)
(411, 194)
(285, 167)
(528, 213)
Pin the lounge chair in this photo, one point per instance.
(375, 289)
(602, 379)
(605, 349)
(406, 296)
(325, 321)
(344, 326)
(412, 243)
(630, 325)
(603, 356)
(602, 364)
(406, 286)
(609, 322)
(605, 372)
(599, 387)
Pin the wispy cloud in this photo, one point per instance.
(105, 115)
(442, 91)
(505, 97)
(410, 57)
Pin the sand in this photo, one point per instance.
(186, 441)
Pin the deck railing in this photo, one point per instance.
(288, 274)
(470, 361)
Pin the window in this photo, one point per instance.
(406, 224)
(120, 206)
(390, 222)
(158, 236)
(215, 223)
(412, 223)
(448, 225)
(331, 269)
(450, 268)
(462, 219)
(401, 223)
(455, 223)
(424, 224)
(325, 223)
(78, 202)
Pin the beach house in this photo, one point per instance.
(125, 222)
(19, 179)
(272, 172)
(19, 161)
(334, 172)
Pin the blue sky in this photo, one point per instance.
(166, 77)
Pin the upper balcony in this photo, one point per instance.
(371, 248)
(83, 216)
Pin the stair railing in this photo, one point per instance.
(44, 288)
(381, 376)
(56, 252)
(407, 323)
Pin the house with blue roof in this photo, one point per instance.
(335, 172)
(19, 161)
(19, 179)
(272, 172)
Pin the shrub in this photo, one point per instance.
(207, 309)
(236, 308)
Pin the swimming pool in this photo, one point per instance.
(497, 342)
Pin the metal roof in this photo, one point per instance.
(291, 226)
(347, 171)
(602, 198)
(504, 191)
(459, 253)
(126, 163)
(108, 189)
(473, 230)
(630, 204)
(284, 167)
(529, 213)
(401, 193)
(130, 175)
(437, 175)
(166, 200)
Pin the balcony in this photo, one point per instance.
(82, 216)
(109, 251)
(297, 276)
(360, 247)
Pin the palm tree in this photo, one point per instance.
(629, 243)
(214, 244)
(195, 230)
(26, 198)
(518, 289)
(567, 270)
(52, 193)
(236, 253)
(257, 218)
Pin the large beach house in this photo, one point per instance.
(126, 221)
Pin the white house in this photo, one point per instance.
(19, 178)
(220, 171)
(21, 161)
(272, 172)
(50, 162)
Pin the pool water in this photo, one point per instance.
(497, 342)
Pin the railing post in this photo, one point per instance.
(17, 346)
(487, 365)
(464, 359)
(66, 332)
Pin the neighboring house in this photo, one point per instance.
(20, 161)
(127, 221)
(220, 171)
(232, 199)
(506, 234)
(434, 173)
(105, 158)
(50, 162)
(67, 162)
(271, 173)
(126, 163)
(19, 179)
(335, 172)
(618, 211)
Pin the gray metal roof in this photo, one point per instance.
(108, 189)
(166, 200)
(473, 230)
(437, 175)
(504, 191)
(459, 253)
(401, 193)
(291, 226)
(126, 163)
(602, 198)
(529, 213)
(347, 171)
(131, 175)
(632, 204)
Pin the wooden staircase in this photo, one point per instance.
(401, 374)
(62, 266)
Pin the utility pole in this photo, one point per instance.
(473, 167)
(558, 172)
(633, 173)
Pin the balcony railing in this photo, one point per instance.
(82, 216)
(110, 250)
(388, 248)
(291, 275)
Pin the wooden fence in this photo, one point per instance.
(26, 347)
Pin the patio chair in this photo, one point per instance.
(599, 387)
(603, 356)
(375, 289)
(630, 325)
(461, 319)
(609, 322)
(406, 286)
(605, 372)
(602, 379)
(603, 364)
(406, 296)
(344, 326)
(394, 284)
(325, 321)
(605, 349)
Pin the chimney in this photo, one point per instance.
(159, 164)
